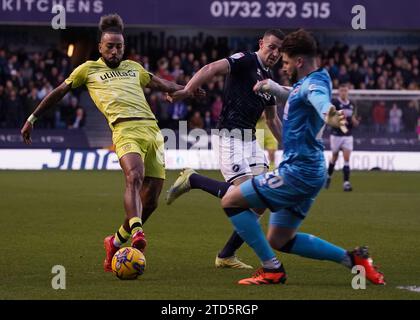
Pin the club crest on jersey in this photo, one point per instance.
(295, 91)
(259, 73)
(237, 55)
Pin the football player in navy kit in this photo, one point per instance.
(240, 156)
(343, 141)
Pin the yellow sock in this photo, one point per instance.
(135, 225)
(121, 237)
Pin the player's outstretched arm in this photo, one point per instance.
(48, 102)
(170, 87)
(336, 119)
(204, 75)
(163, 85)
(318, 95)
(273, 88)
(273, 121)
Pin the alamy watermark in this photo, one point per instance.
(359, 20)
(58, 282)
(59, 20)
(359, 280)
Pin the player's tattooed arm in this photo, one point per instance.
(273, 121)
(48, 102)
(170, 87)
(163, 85)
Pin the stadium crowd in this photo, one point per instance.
(25, 78)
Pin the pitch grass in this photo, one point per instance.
(60, 218)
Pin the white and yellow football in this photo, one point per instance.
(128, 263)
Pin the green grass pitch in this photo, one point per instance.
(60, 218)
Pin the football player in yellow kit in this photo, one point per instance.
(116, 87)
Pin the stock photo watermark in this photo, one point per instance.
(58, 281)
(359, 20)
(359, 280)
(59, 20)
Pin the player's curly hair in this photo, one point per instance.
(111, 23)
(299, 42)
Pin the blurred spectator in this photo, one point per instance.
(395, 116)
(13, 110)
(79, 119)
(356, 77)
(2, 106)
(68, 112)
(195, 121)
(216, 108)
(418, 128)
(177, 111)
(146, 63)
(410, 116)
(343, 75)
(31, 102)
(379, 116)
(163, 71)
(176, 72)
(45, 90)
(209, 123)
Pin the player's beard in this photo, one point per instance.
(112, 63)
(294, 76)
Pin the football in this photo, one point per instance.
(128, 263)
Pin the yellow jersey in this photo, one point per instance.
(118, 93)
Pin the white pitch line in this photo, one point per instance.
(410, 288)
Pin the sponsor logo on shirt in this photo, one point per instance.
(126, 147)
(117, 74)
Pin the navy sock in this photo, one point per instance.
(346, 173)
(214, 187)
(233, 244)
(331, 169)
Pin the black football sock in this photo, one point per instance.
(331, 169)
(214, 187)
(233, 244)
(346, 172)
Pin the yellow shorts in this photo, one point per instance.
(142, 137)
(265, 137)
(270, 142)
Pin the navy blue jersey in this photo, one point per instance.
(242, 107)
(349, 110)
(303, 124)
